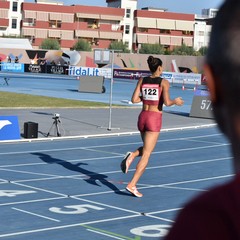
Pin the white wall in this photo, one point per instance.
(126, 4)
(201, 35)
(13, 15)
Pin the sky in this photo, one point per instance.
(182, 6)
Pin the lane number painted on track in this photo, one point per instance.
(13, 193)
(75, 209)
(160, 230)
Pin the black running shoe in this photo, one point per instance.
(125, 164)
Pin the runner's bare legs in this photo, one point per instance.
(149, 143)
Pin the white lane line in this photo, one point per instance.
(202, 141)
(34, 214)
(159, 218)
(40, 189)
(73, 160)
(149, 168)
(191, 149)
(66, 226)
(100, 158)
(3, 181)
(159, 141)
(101, 151)
(190, 127)
(106, 145)
(167, 185)
(143, 185)
(105, 234)
(184, 182)
(182, 188)
(165, 211)
(39, 179)
(152, 214)
(189, 163)
(27, 172)
(106, 205)
(32, 201)
(198, 180)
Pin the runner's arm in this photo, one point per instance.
(166, 96)
(136, 97)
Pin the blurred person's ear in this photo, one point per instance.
(220, 108)
(211, 83)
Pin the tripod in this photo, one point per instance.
(56, 124)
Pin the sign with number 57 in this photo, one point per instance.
(201, 107)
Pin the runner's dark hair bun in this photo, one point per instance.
(154, 63)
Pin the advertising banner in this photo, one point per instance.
(44, 68)
(186, 78)
(12, 67)
(89, 71)
(121, 73)
(9, 128)
(57, 69)
(129, 73)
(34, 68)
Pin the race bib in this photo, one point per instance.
(150, 92)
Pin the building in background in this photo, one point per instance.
(10, 17)
(156, 26)
(202, 32)
(203, 28)
(209, 12)
(100, 26)
(128, 22)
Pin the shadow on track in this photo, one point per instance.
(92, 177)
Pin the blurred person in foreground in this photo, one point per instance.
(216, 213)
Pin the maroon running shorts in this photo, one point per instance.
(150, 121)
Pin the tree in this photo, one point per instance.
(51, 44)
(152, 49)
(203, 51)
(184, 50)
(122, 47)
(82, 45)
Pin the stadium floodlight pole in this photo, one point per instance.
(103, 57)
(111, 90)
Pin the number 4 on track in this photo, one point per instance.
(13, 193)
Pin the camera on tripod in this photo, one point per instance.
(56, 122)
(56, 116)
